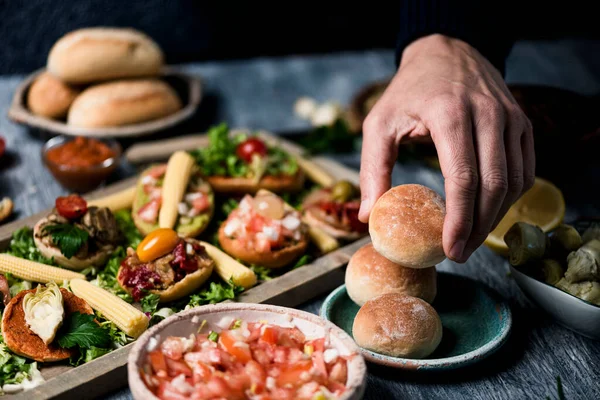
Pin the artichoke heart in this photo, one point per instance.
(584, 264)
(525, 243)
(44, 311)
(588, 291)
(591, 233)
(565, 238)
(258, 166)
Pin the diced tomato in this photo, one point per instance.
(294, 375)
(201, 203)
(257, 223)
(317, 344)
(257, 376)
(201, 372)
(157, 171)
(149, 212)
(263, 397)
(336, 388)
(339, 372)
(283, 394)
(291, 337)
(173, 347)
(228, 341)
(157, 361)
(263, 353)
(280, 355)
(263, 244)
(167, 391)
(269, 335)
(177, 368)
(71, 207)
(218, 388)
(319, 363)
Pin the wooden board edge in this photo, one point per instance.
(100, 376)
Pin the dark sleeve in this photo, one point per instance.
(482, 24)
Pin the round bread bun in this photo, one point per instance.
(50, 97)
(96, 259)
(22, 341)
(370, 274)
(123, 102)
(102, 53)
(272, 259)
(398, 325)
(275, 184)
(406, 225)
(189, 284)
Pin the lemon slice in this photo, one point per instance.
(542, 205)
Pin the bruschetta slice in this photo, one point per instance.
(240, 163)
(335, 211)
(165, 264)
(77, 236)
(175, 196)
(264, 231)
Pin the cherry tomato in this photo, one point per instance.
(71, 206)
(158, 243)
(2, 146)
(249, 147)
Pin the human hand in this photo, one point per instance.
(447, 92)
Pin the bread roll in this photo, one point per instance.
(398, 325)
(370, 274)
(102, 53)
(123, 102)
(50, 97)
(406, 226)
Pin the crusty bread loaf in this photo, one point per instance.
(398, 325)
(406, 225)
(370, 274)
(102, 53)
(123, 102)
(50, 97)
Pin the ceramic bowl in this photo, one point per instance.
(475, 319)
(570, 311)
(187, 322)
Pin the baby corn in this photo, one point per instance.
(34, 271)
(117, 201)
(177, 176)
(127, 318)
(229, 268)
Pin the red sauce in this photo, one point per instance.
(81, 152)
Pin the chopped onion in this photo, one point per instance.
(190, 197)
(232, 226)
(183, 208)
(330, 355)
(291, 223)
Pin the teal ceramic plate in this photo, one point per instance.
(476, 323)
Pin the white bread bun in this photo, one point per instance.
(398, 325)
(50, 97)
(97, 259)
(102, 53)
(123, 102)
(406, 225)
(370, 274)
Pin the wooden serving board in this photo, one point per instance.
(109, 372)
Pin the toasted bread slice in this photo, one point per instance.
(197, 225)
(96, 259)
(22, 341)
(273, 259)
(275, 184)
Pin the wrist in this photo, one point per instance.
(434, 44)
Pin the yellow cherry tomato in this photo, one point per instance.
(157, 243)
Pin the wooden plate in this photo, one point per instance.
(476, 324)
(189, 89)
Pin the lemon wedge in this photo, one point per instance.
(542, 205)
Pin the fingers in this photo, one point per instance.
(491, 153)
(379, 152)
(451, 130)
(527, 145)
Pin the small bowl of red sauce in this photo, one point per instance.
(81, 164)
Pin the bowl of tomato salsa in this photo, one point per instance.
(81, 164)
(246, 351)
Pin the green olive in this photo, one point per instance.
(343, 191)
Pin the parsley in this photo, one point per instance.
(214, 336)
(80, 330)
(22, 246)
(150, 302)
(262, 273)
(126, 225)
(302, 261)
(237, 324)
(67, 237)
(107, 278)
(326, 139)
(215, 293)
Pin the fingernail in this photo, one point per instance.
(364, 209)
(457, 250)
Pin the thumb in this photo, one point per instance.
(378, 154)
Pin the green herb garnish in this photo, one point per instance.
(22, 246)
(237, 324)
(67, 237)
(150, 302)
(214, 336)
(215, 293)
(80, 330)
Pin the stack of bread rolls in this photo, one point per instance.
(103, 77)
(394, 279)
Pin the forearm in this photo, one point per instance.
(474, 22)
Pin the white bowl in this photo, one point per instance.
(568, 310)
(181, 324)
